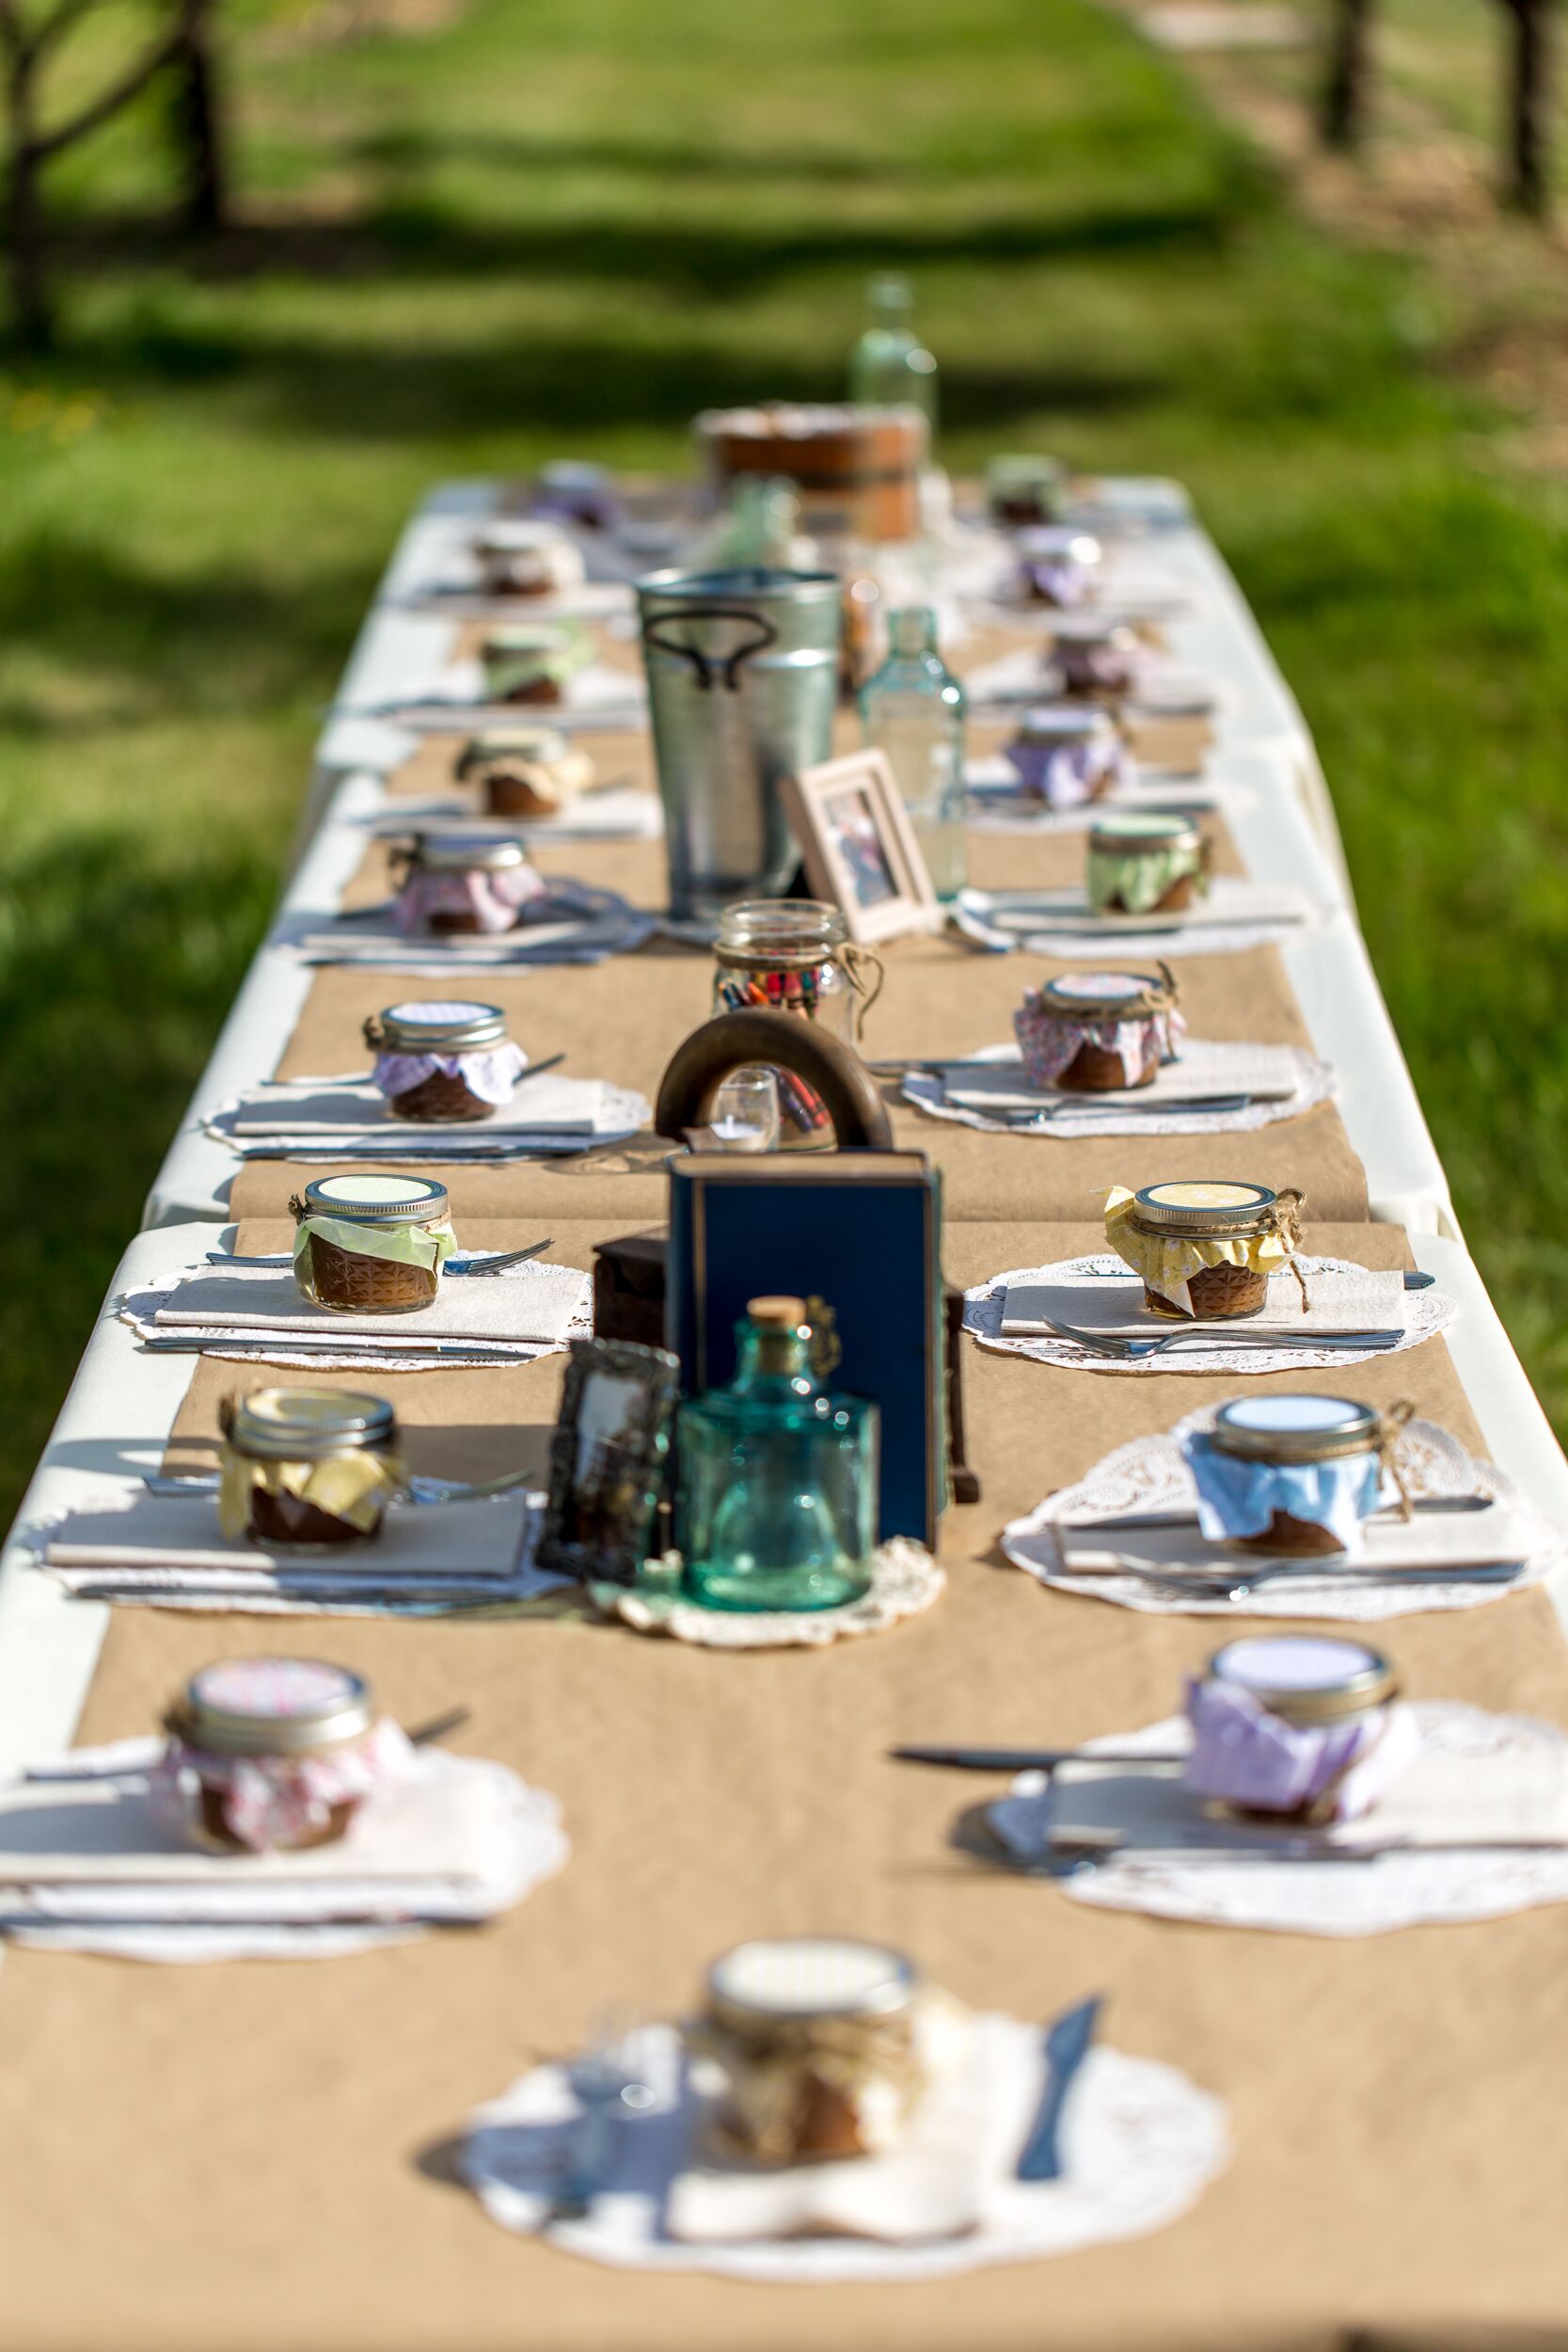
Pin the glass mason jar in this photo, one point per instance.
(443, 1061)
(1022, 492)
(452, 884)
(371, 1245)
(307, 1470)
(1290, 1474)
(890, 366)
(1144, 862)
(524, 771)
(776, 1504)
(914, 709)
(795, 955)
(275, 1754)
(1305, 1726)
(1204, 1247)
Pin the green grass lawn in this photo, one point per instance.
(564, 228)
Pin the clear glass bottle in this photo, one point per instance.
(912, 709)
(776, 1502)
(890, 366)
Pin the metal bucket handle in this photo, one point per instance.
(705, 665)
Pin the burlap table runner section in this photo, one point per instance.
(272, 2169)
(622, 1020)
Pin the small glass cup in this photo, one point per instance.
(746, 1110)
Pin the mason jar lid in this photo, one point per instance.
(1106, 995)
(1202, 1205)
(271, 1706)
(1018, 466)
(1093, 629)
(787, 925)
(1295, 1428)
(1143, 832)
(542, 745)
(461, 852)
(308, 1424)
(1306, 1678)
(802, 1980)
(439, 1027)
(377, 1200)
(1057, 543)
(1055, 723)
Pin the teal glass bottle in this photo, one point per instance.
(913, 708)
(890, 365)
(776, 1496)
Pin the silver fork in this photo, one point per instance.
(1133, 1351)
(278, 1264)
(1215, 1584)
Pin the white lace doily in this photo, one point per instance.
(291, 1922)
(905, 1581)
(1398, 1890)
(139, 1310)
(1149, 1474)
(1426, 1314)
(1140, 2143)
(1070, 1115)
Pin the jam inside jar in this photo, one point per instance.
(371, 1245)
(307, 1470)
(443, 1060)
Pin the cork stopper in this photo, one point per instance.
(777, 1315)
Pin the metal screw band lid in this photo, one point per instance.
(271, 1706)
(543, 745)
(377, 1200)
(1306, 1678)
(307, 1424)
(414, 1028)
(1296, 1428)
(1203, 1206)
(464, 852)
(1108, 995)
(807, 1979)
(1129, 832)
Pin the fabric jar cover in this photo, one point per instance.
(1244, 1755)
(1136, 857)
(1168, 1261)
(1069, 776)
(274, 1803)
(1097, 657)
(496, 900)
(1237, 1497)
(489, 1072)
(1049, 1039)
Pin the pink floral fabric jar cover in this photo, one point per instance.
(465, 883)
(271, 1755)
(1069, 756)
(1097, 1030)
(465, 1043)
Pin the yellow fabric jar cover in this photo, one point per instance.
(355, 1487)
(1168, 1261)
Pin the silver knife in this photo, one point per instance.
(285, 1344)
(1023, 1760)
(1145, 1523)
(1066, 2045)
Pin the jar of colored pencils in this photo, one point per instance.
(793, 954)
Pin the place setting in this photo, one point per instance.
(571, 666)
(310, 1511)
(1108, 1052)
(447, 1083)
(828, 2113)
(1288, 1504)
(468, 897)
(1298, 1790)
(1208, 1276)
(377, 1280)
(1067, 763)
(275, 1812)
(510, 564)
(530, 782)
(1044, 570)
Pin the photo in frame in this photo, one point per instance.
(860, 848)
(608, 1460)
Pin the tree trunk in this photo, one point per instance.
(32, 315)
(1528, 106)
(1345, 90)
(198, 127)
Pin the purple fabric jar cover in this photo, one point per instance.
(1244, 1755)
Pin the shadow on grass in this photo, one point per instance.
(116, 969)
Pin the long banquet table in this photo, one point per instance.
(259, 2154)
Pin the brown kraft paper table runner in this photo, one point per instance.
(622, 1020)
(273, 2167)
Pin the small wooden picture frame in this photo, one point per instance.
(608, 1460)
(860, 848)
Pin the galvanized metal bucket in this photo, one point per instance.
(742, 686)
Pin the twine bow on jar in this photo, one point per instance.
(1284, 1220)
(1392, 1423)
